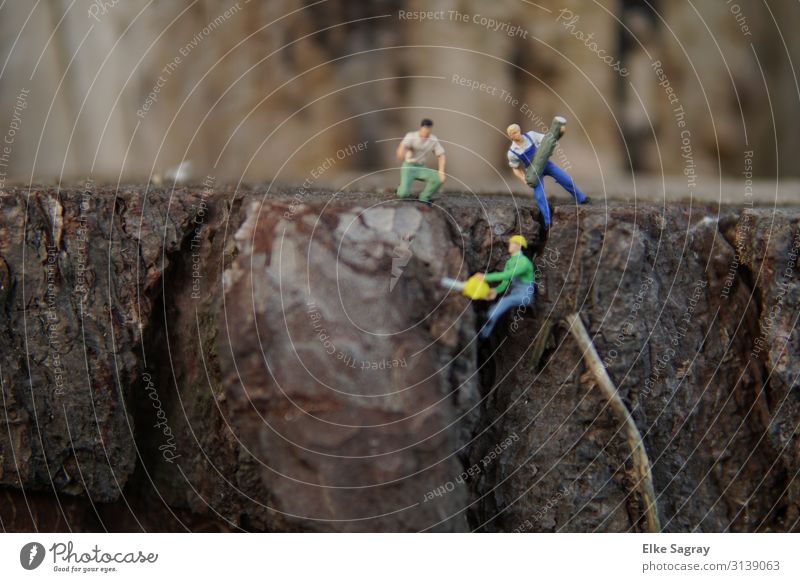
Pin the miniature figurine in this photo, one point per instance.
(413, 152)
(532, 151)
(516, 279)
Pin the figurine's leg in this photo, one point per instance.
(541, 202)
(432, 183)
(408, 173)
(495, 313)
(565, 181)
(517, 299)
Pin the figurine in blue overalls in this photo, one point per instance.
(520, 155)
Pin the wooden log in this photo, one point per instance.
(534, 172)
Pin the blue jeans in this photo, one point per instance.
(564, 181)
(519, 296)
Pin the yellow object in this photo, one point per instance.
(520, 240)
(476, 288)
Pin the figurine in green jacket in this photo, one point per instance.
(516, 278)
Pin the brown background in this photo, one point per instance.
(242, 104)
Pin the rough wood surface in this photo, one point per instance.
(641, 464)
(161, 370)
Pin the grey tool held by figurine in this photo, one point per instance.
(452, 284)
(536, 168)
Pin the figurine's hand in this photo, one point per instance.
(479, 276)
(563, 130)
(492, 294)
(442, 177)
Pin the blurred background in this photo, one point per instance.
(697, 96)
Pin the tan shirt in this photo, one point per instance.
(418, 148)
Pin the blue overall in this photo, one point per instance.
(519, 296)
(550, 169)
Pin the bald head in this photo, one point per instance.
(514, 131)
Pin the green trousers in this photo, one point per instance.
(410, 172)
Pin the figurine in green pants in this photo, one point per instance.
(413, 152)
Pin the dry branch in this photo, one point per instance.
(641, 464)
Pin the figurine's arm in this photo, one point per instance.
(438, 150)
(513, 163)
(488, 277)
(520, 174)
(401, 151)
(493, 278)
(517, 266)
(503, 277)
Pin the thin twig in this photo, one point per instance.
(641, 464)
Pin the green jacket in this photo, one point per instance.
(518, 268)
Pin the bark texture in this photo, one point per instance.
(215, 360)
